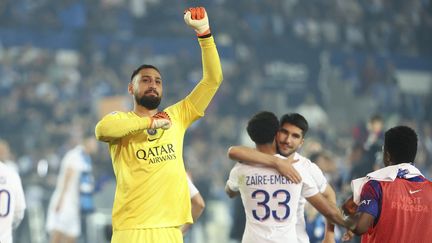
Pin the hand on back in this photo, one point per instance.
(285, 168)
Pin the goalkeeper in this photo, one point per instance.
(152, 195)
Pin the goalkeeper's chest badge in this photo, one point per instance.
(151, 131)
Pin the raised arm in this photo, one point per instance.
(254, 157)
(205, 90)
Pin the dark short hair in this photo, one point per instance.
(144, 66)
(376, 118)
(401, 143)
(297, 120)
(262, 127)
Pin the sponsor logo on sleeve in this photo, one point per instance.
(365, 202)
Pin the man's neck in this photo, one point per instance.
(141, 111)
(291, 156)
(266, 148)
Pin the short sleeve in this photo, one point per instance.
(318, 177)
(309, 188)
(73, 160)
(233, 180)
(370, 198)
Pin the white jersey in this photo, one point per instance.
(270, 201)
(67, 219)
(12, 202)
(319, 181)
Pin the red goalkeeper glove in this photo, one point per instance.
(160, 120)
(197, 19)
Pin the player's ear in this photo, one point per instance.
(131, 88)
(386, 158)
(301, 143)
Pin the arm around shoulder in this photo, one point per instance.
(251, 156)
(254, 157)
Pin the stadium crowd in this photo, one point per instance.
(61, 62)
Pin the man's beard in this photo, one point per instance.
(285, 154)
(149, 102)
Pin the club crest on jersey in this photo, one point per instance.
(151, 131)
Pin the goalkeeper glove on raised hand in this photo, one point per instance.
(160, 120)
(197, 19)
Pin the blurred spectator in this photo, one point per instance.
(427, 141)
(6, 156)
(357, 161)
(315, 226)
(13, 203)
(327, 164)
(370, 74)
(73, 193)
(315, 114)
(374, 141)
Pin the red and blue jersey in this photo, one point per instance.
(402, 210)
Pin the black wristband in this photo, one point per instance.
(205, 36)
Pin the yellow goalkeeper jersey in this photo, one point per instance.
(152, 189)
